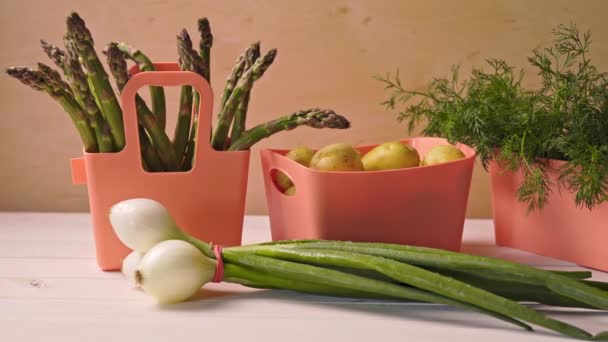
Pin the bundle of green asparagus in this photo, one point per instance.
(89, 99)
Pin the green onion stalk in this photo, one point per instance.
(171, 266)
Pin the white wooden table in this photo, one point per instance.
(52, 290)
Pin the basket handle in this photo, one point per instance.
(273, 173)
(273, 162)
(170, 75)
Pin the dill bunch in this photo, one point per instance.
(566, 118)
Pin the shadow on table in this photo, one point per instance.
(208, 300)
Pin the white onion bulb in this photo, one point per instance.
(141, 223)
(173, 271)
(129, 267)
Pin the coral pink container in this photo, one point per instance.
(560, 230)
(207, 201)
(418, 206)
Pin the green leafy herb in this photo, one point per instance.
(520, 128)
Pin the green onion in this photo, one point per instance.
(362, 270)
(478, 265)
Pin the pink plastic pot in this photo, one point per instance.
(560, 230)
(207, 201)
(417, 206)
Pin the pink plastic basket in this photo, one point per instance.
(207, 201)
(561, 230)
(418, 206)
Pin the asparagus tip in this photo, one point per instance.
(110, 45)
(254, 49)
(205, 29)
(203, 24)
(53, 52)
(11, 71)
(118, 64)
(77, 28)
(188, 58)
(324, 118)
(44, 68)
(75, 17)
(271, 54)
(52, 77)
(27, 76)
(252, 54)
(184, 38)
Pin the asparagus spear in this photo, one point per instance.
(157, 135)
(205, 44)
(220, 133)
(157, 94)
(315, 118)
(82, 94)
(55, 54)
(190, 57)
(78, 35)
(189, 155)
(205, 52)
(117, 64)
(127, 52)
(251, 55)
(182, 127)
(118, 67)
(192, 60)
(53, 78)
(240, 117)
(49, 81)
(235, 75)
(184, 117)
(244, 84)
(260, 68)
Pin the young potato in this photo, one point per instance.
(290, 191)
(301, 155)
(441, 154)
(389, 156)
(337, 157)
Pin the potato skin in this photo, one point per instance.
(389, 156)
(337, 157)
(301, 155)
(283, 181)
(441, 154)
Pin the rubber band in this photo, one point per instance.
(219, 268)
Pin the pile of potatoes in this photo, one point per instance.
(343, 157)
